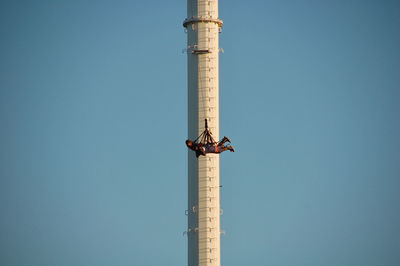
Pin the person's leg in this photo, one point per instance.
(223, 140)
(227, 148)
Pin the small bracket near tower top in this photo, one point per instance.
(194, 20)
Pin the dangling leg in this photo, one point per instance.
(223, 140)
(226, 148)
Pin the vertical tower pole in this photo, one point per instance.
(203, 25)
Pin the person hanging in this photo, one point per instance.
(206, 144)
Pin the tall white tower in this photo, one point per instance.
(203, 26)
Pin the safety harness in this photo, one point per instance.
(205, 137)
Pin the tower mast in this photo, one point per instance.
(203, 26)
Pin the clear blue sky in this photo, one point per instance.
(93, 121)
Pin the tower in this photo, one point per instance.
(203, 26)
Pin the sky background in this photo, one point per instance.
(93, 119)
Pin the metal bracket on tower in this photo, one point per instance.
(195, 50)
(190, 211)
(198, 20)
(201, 51)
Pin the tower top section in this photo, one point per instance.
(202, 11)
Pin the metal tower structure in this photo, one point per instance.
(203, 26)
